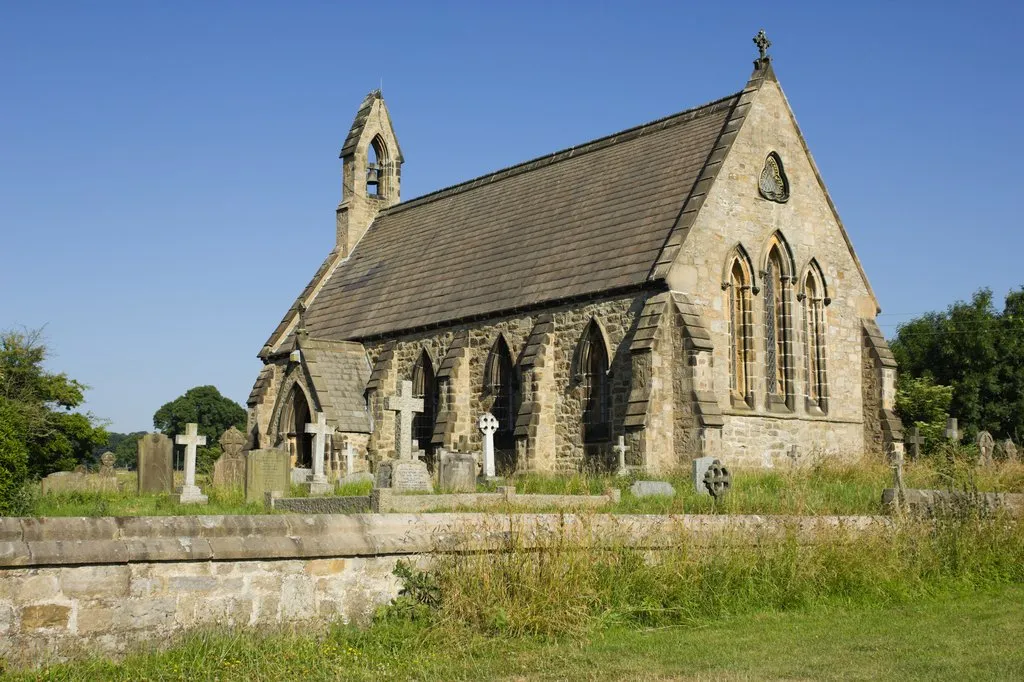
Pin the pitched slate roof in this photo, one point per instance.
(586, 220)
(339, 372)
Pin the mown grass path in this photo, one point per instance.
(966, 637)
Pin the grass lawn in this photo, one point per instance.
(972, 636)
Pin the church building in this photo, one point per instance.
(686, 284)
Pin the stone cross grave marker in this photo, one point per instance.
(915, 440)
(896, 462)
(318, 479)
(620, 449)
(405, 405)
(229, 469)
(951, 431)
(190, 493)
(488, 424)
(107, 464)
(350, 460)
(986, 444)
(717, 480)
(155, 473)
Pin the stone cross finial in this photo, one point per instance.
(762, 42)
(986, 444)
(621, 448)
(190, 439)
(405, 405)
(488, 424)
(319, 430)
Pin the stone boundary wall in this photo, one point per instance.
(75, 586)
(927, 502)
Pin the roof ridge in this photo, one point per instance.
(564, 154)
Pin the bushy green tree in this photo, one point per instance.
(39, 432)
(214, 414)
(924, 404)
(976, 350)
(125, 448)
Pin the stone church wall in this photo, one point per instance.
(616, 315)
(734, 213)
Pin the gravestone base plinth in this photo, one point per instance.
(404, 475)
(190, 494)
(318, 485)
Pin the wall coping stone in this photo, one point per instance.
(233, 538)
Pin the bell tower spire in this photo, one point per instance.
(371, 171)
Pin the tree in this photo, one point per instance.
(924, 404)
(976, 350)
(39, 432)
(214, 414)
(125, 448)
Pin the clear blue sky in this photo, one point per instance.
(169, 171)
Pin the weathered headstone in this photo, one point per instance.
(350, 460)
(229, 469)
(986, 445)
(767, 462)
(700, 467)
(915, 440)
(458, 472)
(404, 475)
(155, 470)
(300, 475)
(266, 471)
(488, 424)
(896, 462)
(717, 480)
(319, 429)
(72, 481)
(1007, 450)
(652, 488)
(107, 460)
(951, 432)
(189, 492)
(620, 449)
(405, 405)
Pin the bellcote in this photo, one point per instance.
(371, 171)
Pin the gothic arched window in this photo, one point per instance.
(500, 381)
(738, 287)
(595, 385)
(815, 299)
(777, 328)
(424, 386)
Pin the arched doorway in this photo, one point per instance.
(293, 427)
(424, 386)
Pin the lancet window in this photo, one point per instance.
(502, 383)
(595, 385)
(424, 386)
(814, 301)
(738, 288)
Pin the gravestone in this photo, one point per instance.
(700, 467)
(74, 481)
(717, 480)
(155, 471)
(652, 488)
(951, 432)
(986, 444)
(317, 481)
(404, 475)
(300, 475)
(266, 471)
(1007, 450)
(620, 450)
(766, 460)
(229, 469)
(915, 440)
(488, 424)
(458, 472)
(189, 492)
(107, 460)
(896, 462)
(405, 405)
